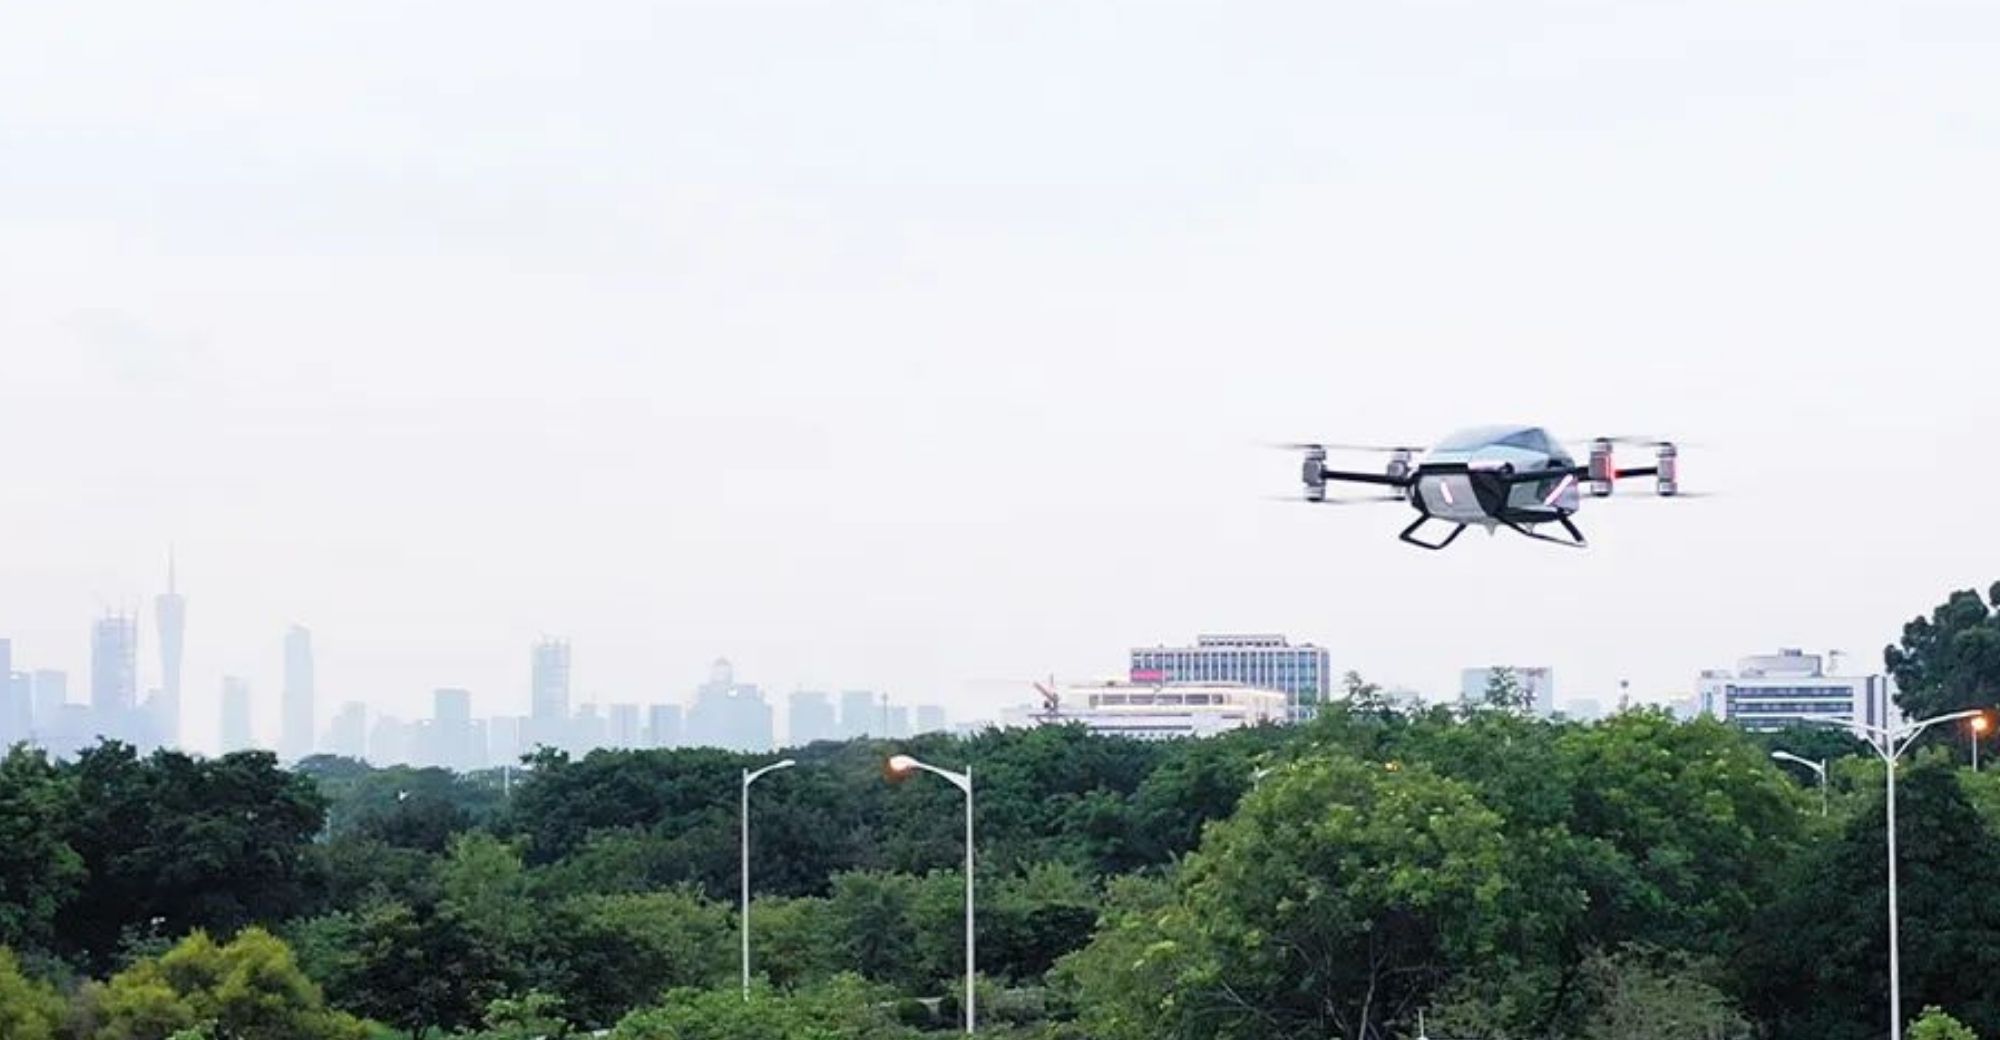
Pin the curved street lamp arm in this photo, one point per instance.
(1786, 756)
(1908, 734)
(750, 776)
(959, 780)
(1882, 737)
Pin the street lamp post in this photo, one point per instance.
(1980, 724)
(749, 778)
(901, 766)
(1890, 743)
(1818, 768)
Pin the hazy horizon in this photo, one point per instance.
(925, 347)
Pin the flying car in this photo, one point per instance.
(1516, 477)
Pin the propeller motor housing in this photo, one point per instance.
(1670, 470)
(1602, 472)
(1399, 468)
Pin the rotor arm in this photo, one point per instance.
(1381, 479)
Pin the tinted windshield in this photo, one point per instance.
(1475, 438)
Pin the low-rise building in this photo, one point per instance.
(1161, 711)
(1770, 692)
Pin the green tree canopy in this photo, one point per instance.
(29, 1010)
(845, 1008)
(40, 871)
(174, 843)
(1331, 904)
(1814, 959)
(1934, 1024)
(1950, 660)
(247, 989)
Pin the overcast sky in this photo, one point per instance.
(925, 345)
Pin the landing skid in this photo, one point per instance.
(1574, 541)
(1410, 534)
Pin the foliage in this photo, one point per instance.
(1817, 743)
(845, 1008)
(183, 843)
(29, 1010)
(401, 806)
(1505, 692)
(1332, 902)
(1363, 697)
(608, 954)
(247, 989)
(39, 870)
(1812, 963)
(1934, 1024)
(796, 941)
(1950, 660)
(414, 968)
(1646, 995)
(533, 1016)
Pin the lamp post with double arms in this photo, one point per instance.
(901, 766)
(1890, 743)
(750, 777)
(1818, 768)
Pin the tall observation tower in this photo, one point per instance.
(170, 612)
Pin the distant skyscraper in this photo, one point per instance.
(114, 664)
(170, 612)
(860, 714)
(663, 726)
(347, 734)
(931, 719)
(17, 700)
(586, 729)
(451, 733)
(17, 708)
(51, 695)
(895, 721)
(810, 717)
(237, 733)
(548, 695)
(623, 726)
(114, 679)
(295, 740)
(504, 746)
(389, 742)
(728, 714)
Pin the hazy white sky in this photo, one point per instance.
(923, 345)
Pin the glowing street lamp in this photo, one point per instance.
(749, 778)
(1980, 724)
(900, 767)
(1890, 743)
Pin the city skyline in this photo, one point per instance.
(117, 643)
(34, 704)
(720, 712)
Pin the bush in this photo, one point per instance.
(844, 1009)
(1934, 1024)
(29, 1010)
